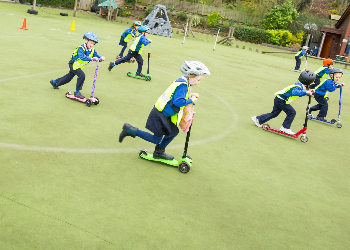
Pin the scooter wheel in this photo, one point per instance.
(143, 152)
(339, 125)
(129, 74)
(327, 98)
(333, 121)
(148, 78)
(97, 102)
(265, 126)
(68, 93)
(304, 138)
(88, 102)
(184, 167)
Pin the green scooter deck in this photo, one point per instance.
(147, 77)
(183, 164)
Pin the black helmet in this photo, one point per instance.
(335, 70)
(307, 77)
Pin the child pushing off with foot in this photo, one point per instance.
(164, 119)
(127, 35)
(321, 91)
(284, 98)
(298, 56)
(135, 51)
(82, 55)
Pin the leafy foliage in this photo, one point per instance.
(183, 15)
(58, 3)
(279, 17)
(281, 37)
(214, 18)
(195, 20)
(252, 35)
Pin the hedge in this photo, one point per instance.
(252, 35)
(57, 3)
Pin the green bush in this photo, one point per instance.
(120, 11)
(247, 22)
(196, 20)
(252, 35)
(58, 3)
(281, 37)
(183, 15)
(214, 18)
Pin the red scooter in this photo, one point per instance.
(303, 138)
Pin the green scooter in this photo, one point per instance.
(147, 77)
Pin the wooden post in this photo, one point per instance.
(109, 10)
(75, 8)
(347, 61)
(307, 39)
(34, 3)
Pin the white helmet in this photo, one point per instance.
(305, 47)
(194, 68)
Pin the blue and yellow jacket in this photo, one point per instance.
(326, 86)
(128, 34)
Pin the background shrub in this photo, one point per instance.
(252, 35)
(281, 37)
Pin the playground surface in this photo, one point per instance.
(67, 183)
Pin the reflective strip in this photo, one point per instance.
(179, 116)
(78, 64)
(165, 98)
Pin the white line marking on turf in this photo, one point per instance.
(129, 150)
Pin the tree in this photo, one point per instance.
(279, 17)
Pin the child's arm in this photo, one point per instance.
(179, 95)
(98, 57)
(82, 56)
(332, 87)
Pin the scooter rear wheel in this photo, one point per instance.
(265, 126)
(184, 167)
(143, 152)
(98, 101)
(333, 121)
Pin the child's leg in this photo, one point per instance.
(276, 110)
(121, 54)
(66, 78)
(322, 106)
(165, 142)
(124, 59)
(298, 62)
(290, 111)
(139, 60)
(149, 137)
(80, 80)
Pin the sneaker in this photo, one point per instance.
(321, 119)
(287, 131)
(79, 95)
(54, 85)
(140, 74)
(110, 67)
(118, 57)
(256, 121)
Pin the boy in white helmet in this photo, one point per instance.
(298, 56)
(163, 121)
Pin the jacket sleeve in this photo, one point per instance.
(179, 96)
(145, 41)
(330, 86)
(96, 55)
(82, 56)
(298, 92)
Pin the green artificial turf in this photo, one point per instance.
(67, 183)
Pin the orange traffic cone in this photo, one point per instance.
(24, 26)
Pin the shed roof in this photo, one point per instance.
(106, 4)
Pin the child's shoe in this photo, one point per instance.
(128, 130)
(79, 95)
(140, 74)
(321, 118)
(132, 60)
(159, 153)
(118, 57)
(287, 131)
(110, 67)
(54, 85)
(256, 121)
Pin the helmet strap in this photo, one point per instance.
(192, 82)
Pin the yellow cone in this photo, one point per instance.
(73, 26)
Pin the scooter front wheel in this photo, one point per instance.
(339, 125)
(304, 138)
(148, 78)
(184, 167)
(88, 102)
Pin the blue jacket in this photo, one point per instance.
(178, 98)
(143, 40)
(320, 74)
(303, 53)
(129, 31)
(294, 92)
(84, 56)
(329, 85)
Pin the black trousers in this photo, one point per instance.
(298, 62)
(322, 105)
(68, 77)
(278, 106)
(130, 55)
